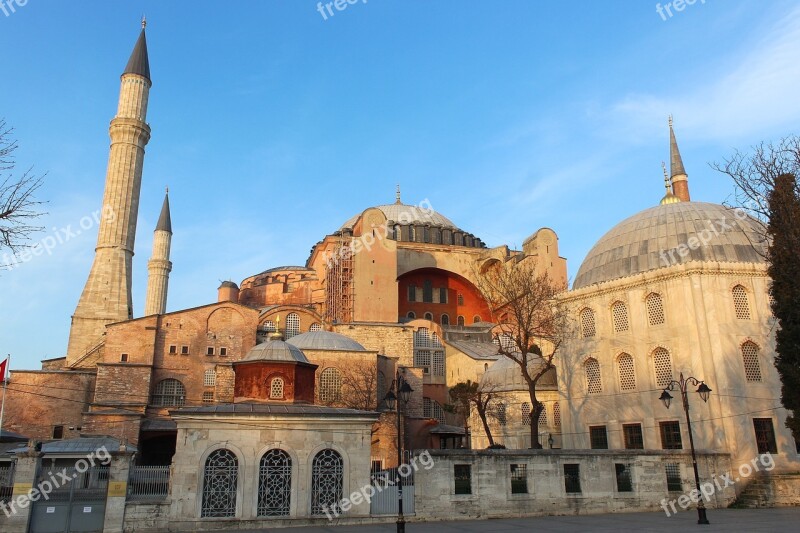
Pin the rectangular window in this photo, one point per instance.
(208, 397)
(58, 432)
(123, 358)
(673, 471)
(184, 350)
(671, 435)
(173, 349)
(427, 291)
(598, 437)
(412, 293)
(210, 350)
(519, 479)
(632, 433)
(572, 478)
(462, 476)
(624, 482)
(765, 435)
(443, 295)
(223, 352)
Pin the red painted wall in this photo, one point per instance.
(455, 284)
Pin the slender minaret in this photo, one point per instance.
(106, 298)
(159, 266)
(680, 181)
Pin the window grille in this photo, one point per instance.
(208, 397)
(752, 368)
(593, 382)
(765, 435)
(460, 320)
(526, 414)
(655, 309)
(543, 418)
(327, 482)
(292, 325)
(330, 385)
(673, 471)
(443, 295)
(627, 376)
(169, 393)
(671, 435)
(268, 326)
(315, 327)
(572, 478)
(462, 478)
(275, 484)
(598, 437)
(556, 415)
(634, 439)
(460, 299)
(437, 368)
(276, 388)
(663, 367)
(619, 312)
(519, 479)
(210, 378)
(740, 304)
(624, 481)
(501, 414)
(220, 479)
(587, 323)
(445, 320)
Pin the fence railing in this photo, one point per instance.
(148, 483)
(6, 481)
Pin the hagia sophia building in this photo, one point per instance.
(393, 291)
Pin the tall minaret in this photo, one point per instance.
(106, 298)
(680, 181)
(159, 266)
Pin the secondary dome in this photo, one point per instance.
(325, 340)
(651, 239)
(407, 213)
(276, 350)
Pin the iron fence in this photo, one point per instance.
(148, 483)
(6, 481)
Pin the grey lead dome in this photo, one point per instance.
(643, 242)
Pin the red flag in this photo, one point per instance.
(3, 366)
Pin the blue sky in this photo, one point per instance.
(271, 125)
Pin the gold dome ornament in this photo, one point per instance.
(669, 198)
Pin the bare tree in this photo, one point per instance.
(467, 394)
(359, 386)
(532, 324)
(18, 205)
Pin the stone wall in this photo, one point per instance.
(491, 494)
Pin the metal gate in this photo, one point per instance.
(384, 482)
(77, 502)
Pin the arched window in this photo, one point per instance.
(662, 363)
(740, 303)
(593, 382)
(276, 389)
(316, 326)
(556, 415)
(526, 414)
(274, 484)
(268, 326)
(619, 312)
(330, 385)
(543, 418)
(220, 480)
(460, 320)
(460, 299)
(587, 323)
(429, 316)
(327, 481)
(476, 319)
(169, 393)
(445, 320)
(752, 368)
(655, 309)
(501, 414)
(485, 367)
(627, 375)
(432, 409)
(210, 378)
(292, 325)
(411, 314)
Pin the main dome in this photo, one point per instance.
(408, 213)
(650, 239)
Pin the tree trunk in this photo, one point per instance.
(536, 412)
(482, 415)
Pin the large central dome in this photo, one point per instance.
(651, 239)
(408, 213)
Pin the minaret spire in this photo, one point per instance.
(669, 197)
(680, 181)
(106, 297)
(159, 266)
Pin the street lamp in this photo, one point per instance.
(703, 390)
(404, 391)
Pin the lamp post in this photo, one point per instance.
(403, 393)
(703, 390)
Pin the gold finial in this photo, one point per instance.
(666, 176)
(167, 189)
(144, 22)
(397, 195)
(670, 197)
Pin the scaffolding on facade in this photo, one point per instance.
(339, 284)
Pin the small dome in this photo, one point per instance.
(408, 213)
(276, 350)
(228, 285)
(325, 340)
(504, 375)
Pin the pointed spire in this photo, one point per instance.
(669, 197)
(676, 163)
(397, 195)
(139, 62)
(165, 221)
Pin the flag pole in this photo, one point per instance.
(5, 383)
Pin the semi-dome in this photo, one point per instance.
(505, 375)
(325, 340)
(276, 350)
(407, 213)
(655, 237)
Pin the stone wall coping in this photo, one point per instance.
(140, 365)
(72, 372)
(570, 453)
